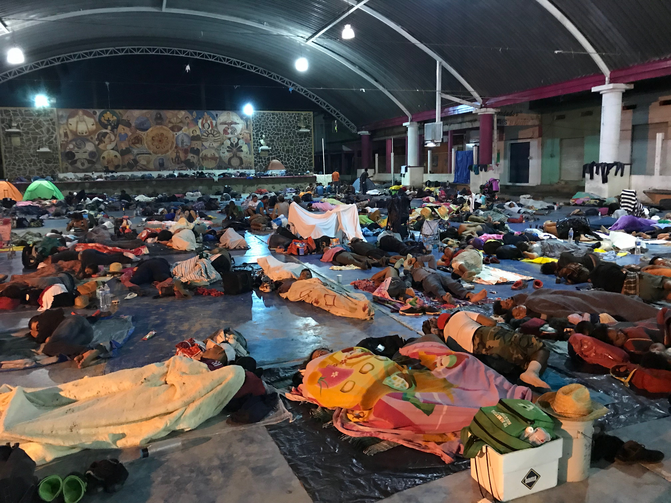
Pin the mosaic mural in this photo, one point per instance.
(292, 148)
(153, 140)
(37, 131)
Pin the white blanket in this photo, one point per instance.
(495, 276)
(277, 271)
(124, 409)
(231, 240)
(343, 219)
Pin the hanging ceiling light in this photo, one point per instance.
(302, 64)
(347, 32)
(429, 144)
(15, 56)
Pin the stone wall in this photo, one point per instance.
(291, 148)
(38, 130)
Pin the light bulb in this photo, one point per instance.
(248, 110)
(302, 64)
(347, 32)
(15, 56)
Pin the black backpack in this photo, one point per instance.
(223, 262)
(18, 483)
(29, 257)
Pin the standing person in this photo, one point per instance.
(335, 178)
(362, 181)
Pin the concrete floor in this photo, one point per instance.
(229, 464)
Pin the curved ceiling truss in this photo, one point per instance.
(221, 17)
(171, 51)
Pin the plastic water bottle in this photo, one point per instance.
(105, 298)
(637, 251)
(570, 235)
(153, 449)
(535, 436)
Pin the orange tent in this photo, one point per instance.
(8, 190)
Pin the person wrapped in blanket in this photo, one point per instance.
(477, 334)
(313, 291)
(70, 336)
(423, 407)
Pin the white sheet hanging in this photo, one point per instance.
(344, 218)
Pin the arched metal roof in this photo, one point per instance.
(487, 47)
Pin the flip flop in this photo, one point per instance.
(519, 285)
(74, 488)
(537, 284)
(131, 295)
(494, 260)
(50, 488)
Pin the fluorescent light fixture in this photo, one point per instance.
(429, 144)
(347, 32)
(302, 65)
(41, 101)
(248, 110)
(15, 56)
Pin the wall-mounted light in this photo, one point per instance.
(248, 110)
(43, 152)
(41, 101)
(429, 144)
(15, 134)
(302, 127)
(347, 32)
(302, 64)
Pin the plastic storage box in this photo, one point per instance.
(519, 473)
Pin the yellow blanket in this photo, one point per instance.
(119, 410)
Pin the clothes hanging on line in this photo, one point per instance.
(604, 168)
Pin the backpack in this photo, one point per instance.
(29, 257)
(501, 426)
(594, 351)
(223, 262)
(18, 482)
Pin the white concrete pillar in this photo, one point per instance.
(428, 160)
(412, 145)
(377, 162)
(611, 120)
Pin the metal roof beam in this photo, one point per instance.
(313, 37)
(164, 5)
(401, 31)
(577, 34)
(231, 19)
(172, 51)
(459, 100)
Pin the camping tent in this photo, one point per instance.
(369, 185)
(343, 219)
(42, 189)
(7, 190)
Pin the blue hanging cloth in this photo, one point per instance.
(464, 159)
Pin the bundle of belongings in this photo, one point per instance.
(423, 409)
(218, 350)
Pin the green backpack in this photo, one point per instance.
(500, 427)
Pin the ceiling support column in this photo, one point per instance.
(609, 141)
(366, 150)
(388, 155)
(412, 144)
(486, 146)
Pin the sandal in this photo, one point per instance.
(494, 260)
(537, 284)
(519, 285)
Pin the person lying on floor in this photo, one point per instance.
(315, 292)
(467, 262)
(186, 212)
(612, 277)
(433, 282)
(574, 269)
(363, 247)
(338, 255)
(70, 336)
(391, 242)
(90, 260)
(400, 287)
(477, 334)
(546, 303)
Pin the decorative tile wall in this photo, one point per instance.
(38, 130)
(287, 145)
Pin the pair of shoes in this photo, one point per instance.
(73, 488)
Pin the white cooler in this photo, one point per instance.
(519, 473)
